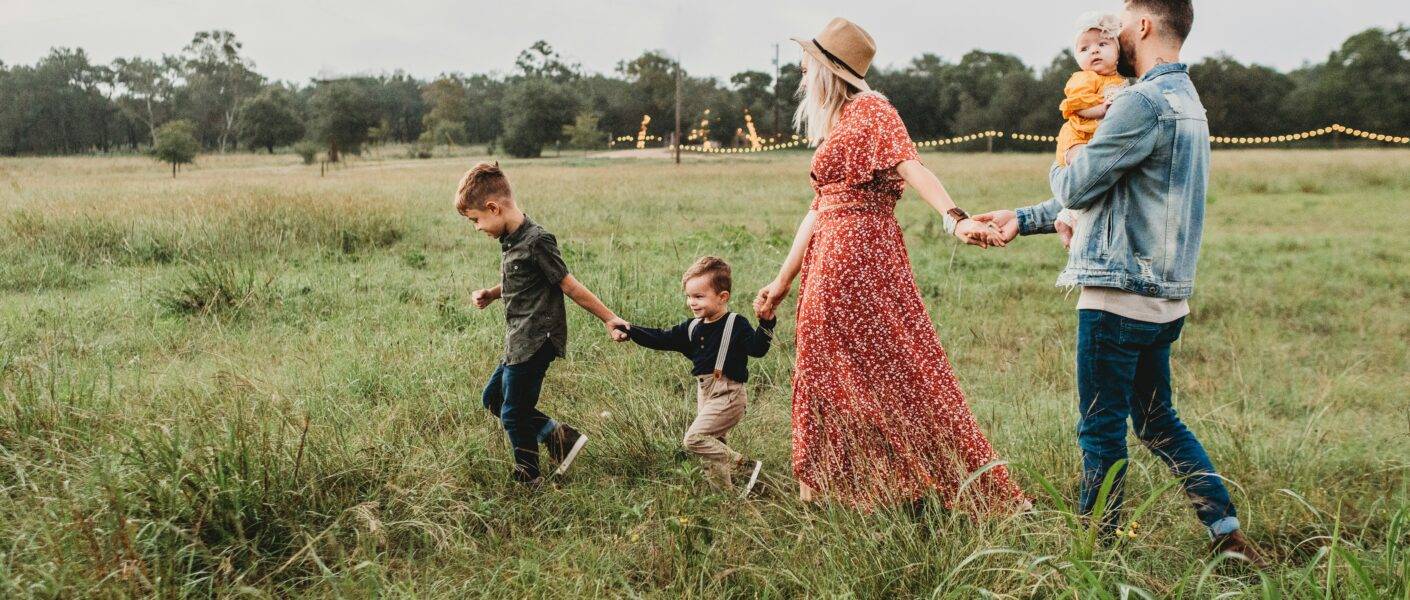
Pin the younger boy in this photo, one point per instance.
(719, 343)
(533, 283)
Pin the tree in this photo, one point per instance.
(270, 119)
(175, 143)
(218, 79)
(542, 62)
(149, 87)
(449, 109)
(583, 134)
(400, 105)
(56, 106)
(1249, 97)
(343, 112)
(651, 78)
(1361, 85)
(755, 91)
(541, 108)
(485, 95)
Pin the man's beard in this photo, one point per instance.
(1126, 60)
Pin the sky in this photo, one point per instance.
(295, 40)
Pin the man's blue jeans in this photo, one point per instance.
(1123, 371)
(513, 395)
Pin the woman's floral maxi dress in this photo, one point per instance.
(878, 417)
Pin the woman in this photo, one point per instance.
(878, 417)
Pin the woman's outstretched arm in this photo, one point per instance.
(933, 192)
(774, 293)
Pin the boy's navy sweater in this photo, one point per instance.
(703, 347)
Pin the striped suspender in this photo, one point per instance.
(724, 346)
(724, 342)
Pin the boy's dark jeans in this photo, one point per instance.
(513, 395)
(1123, 370)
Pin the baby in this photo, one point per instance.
(1090, 91)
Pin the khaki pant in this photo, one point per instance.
(719, 405)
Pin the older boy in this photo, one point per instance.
(534, 280)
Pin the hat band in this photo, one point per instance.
(837, 61)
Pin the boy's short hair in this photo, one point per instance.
(1178, 16)
(480, 184)
(715, 268)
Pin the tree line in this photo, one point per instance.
(212, 93)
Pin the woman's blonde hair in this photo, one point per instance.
(821, 96)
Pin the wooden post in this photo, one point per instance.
(678, 110)
(778, 129)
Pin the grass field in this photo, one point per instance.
(254, 381)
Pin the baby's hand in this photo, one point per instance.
(764, 311)
(1064, 232)
(1072, 152)
(1064, 224)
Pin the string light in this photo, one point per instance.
(1050, 139)
(1307, 135)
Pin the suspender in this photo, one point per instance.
(724, 341)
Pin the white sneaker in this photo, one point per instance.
(753, 479)
(572, 454)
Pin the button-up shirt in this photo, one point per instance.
(531, 273)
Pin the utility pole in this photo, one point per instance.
(678, 110)
(777, 128)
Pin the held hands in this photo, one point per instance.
(974, 232)
(770, 297)
(617, 329)
(762, 313)
(1003, 222)
(483, 298)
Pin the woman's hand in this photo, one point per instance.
(982, 234)
(771, 296)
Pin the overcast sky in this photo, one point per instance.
(298, 39)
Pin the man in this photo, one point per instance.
(1142, 183)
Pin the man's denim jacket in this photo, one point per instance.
(1142, 183)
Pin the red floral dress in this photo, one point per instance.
(878, 416)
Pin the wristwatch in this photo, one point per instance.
(953, 218)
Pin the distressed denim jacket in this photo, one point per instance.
(1142, 183)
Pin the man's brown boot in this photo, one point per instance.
(1236, 543)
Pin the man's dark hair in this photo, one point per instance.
(1177, 16)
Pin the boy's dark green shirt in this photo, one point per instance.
(531, 273)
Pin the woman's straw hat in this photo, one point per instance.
(845, 49)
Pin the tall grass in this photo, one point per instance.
(255, 381)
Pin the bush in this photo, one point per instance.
(307, 150)
(212, 288)
(584, 134)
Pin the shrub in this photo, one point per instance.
(212, 288)
(307, 150)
